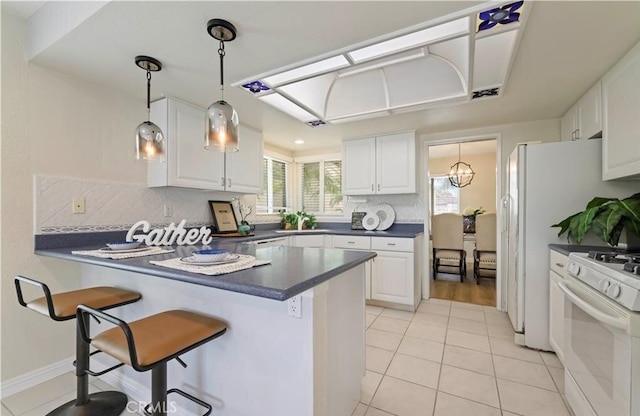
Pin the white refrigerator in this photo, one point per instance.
(545, 184)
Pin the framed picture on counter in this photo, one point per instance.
(224, 217)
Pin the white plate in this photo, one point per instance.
(386, 214)
(192, 261)
(130, 250)
(370, 221)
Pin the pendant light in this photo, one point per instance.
(460, 174)
(149, 137)
(221, 130)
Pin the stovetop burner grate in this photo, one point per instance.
(608, 256)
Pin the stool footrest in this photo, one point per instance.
(99, 373)
(186, 396)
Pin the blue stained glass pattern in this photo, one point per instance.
(316, 123)
(485, 93)
(500, 15)
(255, 87)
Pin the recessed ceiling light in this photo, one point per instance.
(412, 40)
(289, 107)
(307, 71)
(299, 141)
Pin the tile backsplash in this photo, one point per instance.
(114, 206)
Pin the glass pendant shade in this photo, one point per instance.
(221, 130)
(149, 142)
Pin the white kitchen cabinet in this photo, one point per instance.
(380, 165)
(318, 241)
(584, 119)
(395, 272)
(348, 242)
(557, 264)
(189, 165)
(621, 118)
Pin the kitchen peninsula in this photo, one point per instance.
(268, 362)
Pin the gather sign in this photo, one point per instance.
(169, 235)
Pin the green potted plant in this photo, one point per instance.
(606, 218)
(311, 221)
(288, 221)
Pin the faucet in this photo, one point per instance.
(301, 221)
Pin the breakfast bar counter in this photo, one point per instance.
(295, 339)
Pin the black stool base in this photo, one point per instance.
(104, 403)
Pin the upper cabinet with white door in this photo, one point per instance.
(621, 118)
(380, 165)
(189, 165)
(584, 119)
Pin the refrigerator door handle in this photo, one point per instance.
(504, 207)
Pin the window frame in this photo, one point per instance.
(298, 162)
(432, 179)
(289, 165)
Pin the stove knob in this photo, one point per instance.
(574, 269)
(614, 290)
(604, 286)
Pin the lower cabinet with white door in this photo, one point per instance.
(557, 263)
(394, 279)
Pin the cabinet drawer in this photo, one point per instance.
(557, 262)
(392, 244)
(353, 242)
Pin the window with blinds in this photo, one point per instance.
(320, 187)
(274, 196)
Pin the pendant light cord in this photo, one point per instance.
(221, 53)
(148, 95)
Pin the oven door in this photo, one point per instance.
(597, 349)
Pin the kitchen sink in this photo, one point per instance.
(317, 230)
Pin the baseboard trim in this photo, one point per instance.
(33, 378)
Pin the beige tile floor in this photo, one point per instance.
(45, 397)
(447, 359)
(455, 359)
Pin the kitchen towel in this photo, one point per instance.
(152, 251)
(244, 262)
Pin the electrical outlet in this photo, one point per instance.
(78, 205)
(168, 210)
(294, 306)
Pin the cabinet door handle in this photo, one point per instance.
(222, 180)
(391, 244)
(229, 180)
(573, 135)
(372, 187)
(560, 265)
(351, 242)
(378, 187)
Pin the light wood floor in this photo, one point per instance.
(448, 286)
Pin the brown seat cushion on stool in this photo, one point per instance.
(65, 304)
(159, 336)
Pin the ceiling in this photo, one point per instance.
(23, 9)
(564, 49)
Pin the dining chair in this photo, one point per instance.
(448, 244)
(484, 255)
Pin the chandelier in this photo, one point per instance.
(460, 174)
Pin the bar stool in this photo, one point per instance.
(62, 307)
(149, 343)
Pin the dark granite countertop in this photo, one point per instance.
(575, 248)
(292, 270)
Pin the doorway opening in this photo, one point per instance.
(462, 251)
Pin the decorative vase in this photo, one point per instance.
(469, 223)
(244, 229)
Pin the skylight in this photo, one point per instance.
(465, 57)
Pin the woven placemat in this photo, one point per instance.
(244, 262)
(152, 251)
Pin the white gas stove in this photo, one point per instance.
(613, 274)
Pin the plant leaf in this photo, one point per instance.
(631, 210)
(564, 224)
(580, 224)
(606, 221)
(598, 201)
